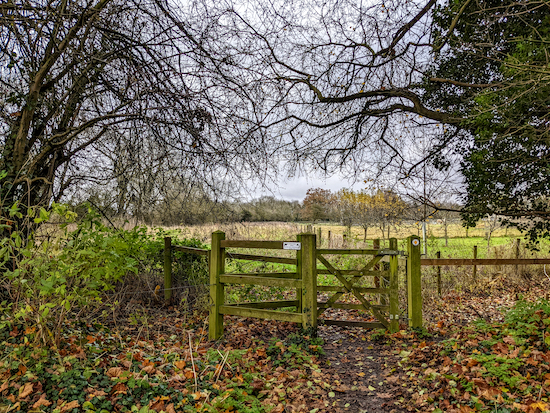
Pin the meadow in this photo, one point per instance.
(504, 243)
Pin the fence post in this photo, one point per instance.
(167, 270)
(376, 246)
(307, 267)
(319, 237)
(394, 288)
(517, 254)
(414, 282)
(216, 267)
(329, 239)
(438, 255)
(475, 266)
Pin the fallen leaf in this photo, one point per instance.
(539, 405)
(25, 390)
(41, 402)
(114, 372)
(148, 369)
(180, 364)
(119, 388)
(69, 406)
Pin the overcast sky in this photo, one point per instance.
(296, 188)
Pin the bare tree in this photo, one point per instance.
(92, 87)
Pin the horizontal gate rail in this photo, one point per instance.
(261, 313)
(291, 275)
(262, 258)
(344, 306)
(322, 251)
(367, 273)
(265, 281)
(267, 304)
(342, 289)
(268, 245)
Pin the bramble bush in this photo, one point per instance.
(53, 279)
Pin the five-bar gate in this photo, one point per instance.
(303, 288)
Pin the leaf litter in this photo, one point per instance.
(460, 363)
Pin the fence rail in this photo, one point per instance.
(484, 261)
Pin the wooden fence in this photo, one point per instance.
(475, 262)
(303, 281)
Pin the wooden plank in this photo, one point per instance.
(267, 304)
(347, 251)
(362, 324)
(414, 282)
(167, 270)
(216, 267)
(344, 251)
(262, 258)
(254, 280)
(291, 275)
(346, 306)
(357, 272)
(270, 245)
(484, 261)
(190, 250)
(349, 287)
(260, 313)
(307, 267)
(342, 289)
(394, 289)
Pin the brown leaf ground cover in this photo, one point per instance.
(473, 356)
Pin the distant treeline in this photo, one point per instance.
(381, 208)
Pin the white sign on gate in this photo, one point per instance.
(292, 246)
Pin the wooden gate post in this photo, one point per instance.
(167, 270)
(394, 288)
(376, 246)
(307, 268)
(414, 282)
(216, 267)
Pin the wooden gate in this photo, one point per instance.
(304, 283)
(386, 312)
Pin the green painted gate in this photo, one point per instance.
(304, 283)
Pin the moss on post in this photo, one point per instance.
(414, 284)
(167, 270)
(394, 288)
(307, 268)
(217, 267)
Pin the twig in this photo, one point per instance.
(193, 363)
(224, 359)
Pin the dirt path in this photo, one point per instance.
(361, 372)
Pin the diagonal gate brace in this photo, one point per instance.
(350, 288)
